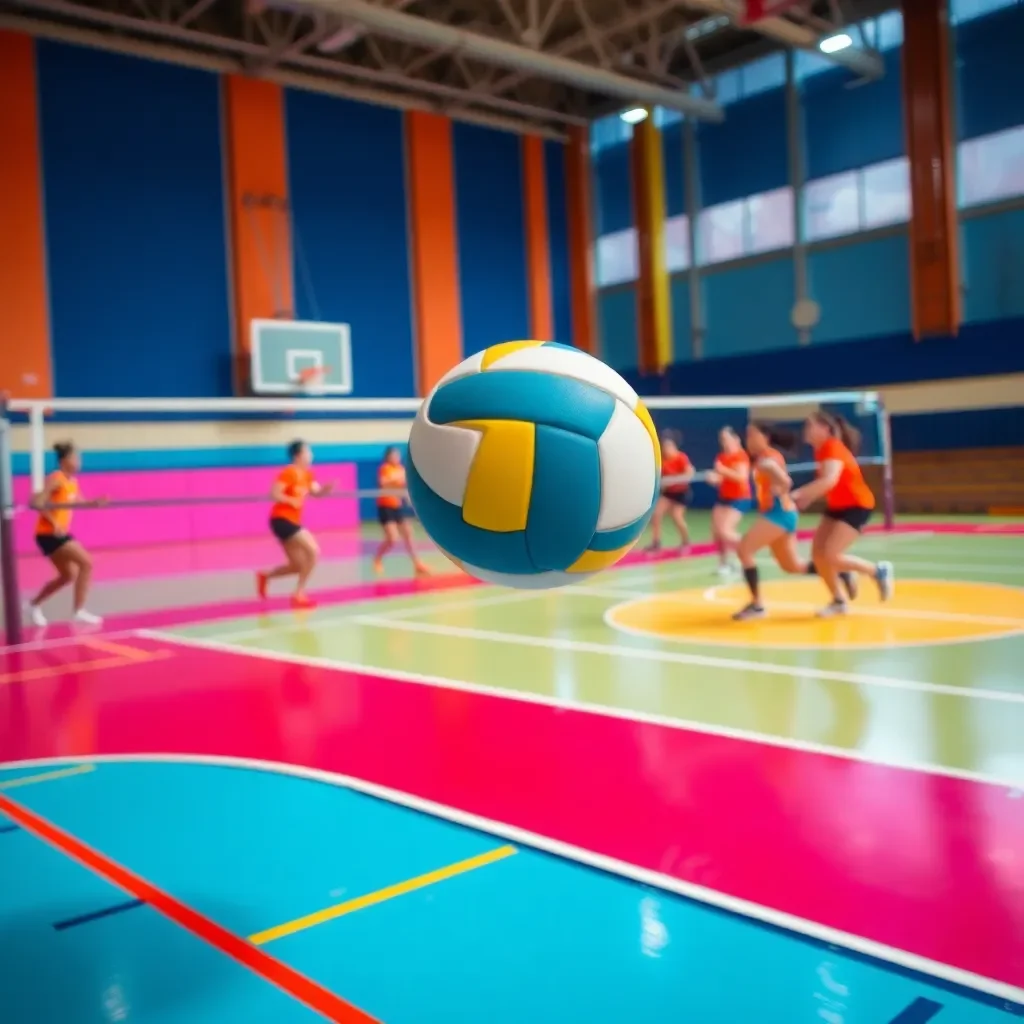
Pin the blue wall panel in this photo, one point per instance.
(558, 240)
(992, 255)
(747, 309)
(346, 169)
(849, 127)
(682, 337)
(616, 310)
(613, 190)
(990, 72)
(491, 237)
(863, 288)
(675, 169)
(135, 226)
(746, 153)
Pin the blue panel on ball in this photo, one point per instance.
(565, 500)
(612, 540)
(498, 552)
(542, 398)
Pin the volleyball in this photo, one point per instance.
(533, 465)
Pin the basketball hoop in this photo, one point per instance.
(310, 380)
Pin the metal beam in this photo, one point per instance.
(420, 31)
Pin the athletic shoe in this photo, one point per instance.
(421, 570)
(87, 618)
(302, 601)
(832, 610)
(725, 570)
(35, 615)
(851, 583)
(378, 567)
(261, 585)
(885, 577)
(752, 611)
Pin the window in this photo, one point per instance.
(728, 86)
(832, 206)
(965, 10)
(889, 28)
(677, 243)
(720, 234)
(886, 189)
(809, 62)
(991, 167)
(663, 117)
(764, 74)
(609, 131)
(770, 220)
(616, 258)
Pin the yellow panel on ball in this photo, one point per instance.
(645, 418)
(501, 476)
(506, 348)
(595, 561)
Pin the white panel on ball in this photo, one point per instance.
(472, 364)
(443, 455)
(628, 461)
(535, 581)
(568, 362)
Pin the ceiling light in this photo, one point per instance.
(634, 116)
(833, 44)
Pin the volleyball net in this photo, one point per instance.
(187, 482)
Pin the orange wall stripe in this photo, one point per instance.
(430, 181)
(25, 369)
(935, 300)
(581, 238)
(538, 244)
(257, 170)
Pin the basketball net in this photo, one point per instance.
(310, 381)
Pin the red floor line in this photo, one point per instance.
(297, 985)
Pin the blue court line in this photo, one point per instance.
(96, 915)
(4, 829)
(920, 1011)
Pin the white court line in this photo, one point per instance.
(679, 658)
(689, 890)
(978, 566)
(67, 641)
(587, 707)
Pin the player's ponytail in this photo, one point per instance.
(839, 426)
(783, 440)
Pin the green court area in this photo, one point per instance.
(931, 680)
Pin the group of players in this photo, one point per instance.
(849, 504)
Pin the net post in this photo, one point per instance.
(37, 446)
(888, 488)
(9, 575)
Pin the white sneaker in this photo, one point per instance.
(725, 570)
(830, 611)
(88, 618)
(35, 615)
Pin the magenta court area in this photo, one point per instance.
(447, 802)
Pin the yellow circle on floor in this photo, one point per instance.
(921, 612)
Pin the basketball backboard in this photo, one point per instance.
(282, 349)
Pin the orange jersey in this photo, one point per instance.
(852, 490)
(731, 490)
(675, 465)
(295, 482)
(390, 475)
(62, 490)
(766, 485)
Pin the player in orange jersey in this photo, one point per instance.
(293, 484)
(673, 498)
(393, 511)
(848, 507)
(69, 558)
(731, 475)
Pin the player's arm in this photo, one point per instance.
(41, 500)
(831, 471)
(279, 497)
(782, 480)
(687, 474)
(736, 474)
(319, 490)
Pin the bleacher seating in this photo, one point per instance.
(965, 480)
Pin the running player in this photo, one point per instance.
(393, 511)
(69, 558)
(674, 496)
(731, 475)
(289, 493)
(848, 507)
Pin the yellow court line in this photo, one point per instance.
(300, 924)
(61, 773)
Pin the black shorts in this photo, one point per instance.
(678, 497)
(854, 516)
(283, 529)
(387, 515)
(48, 543)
